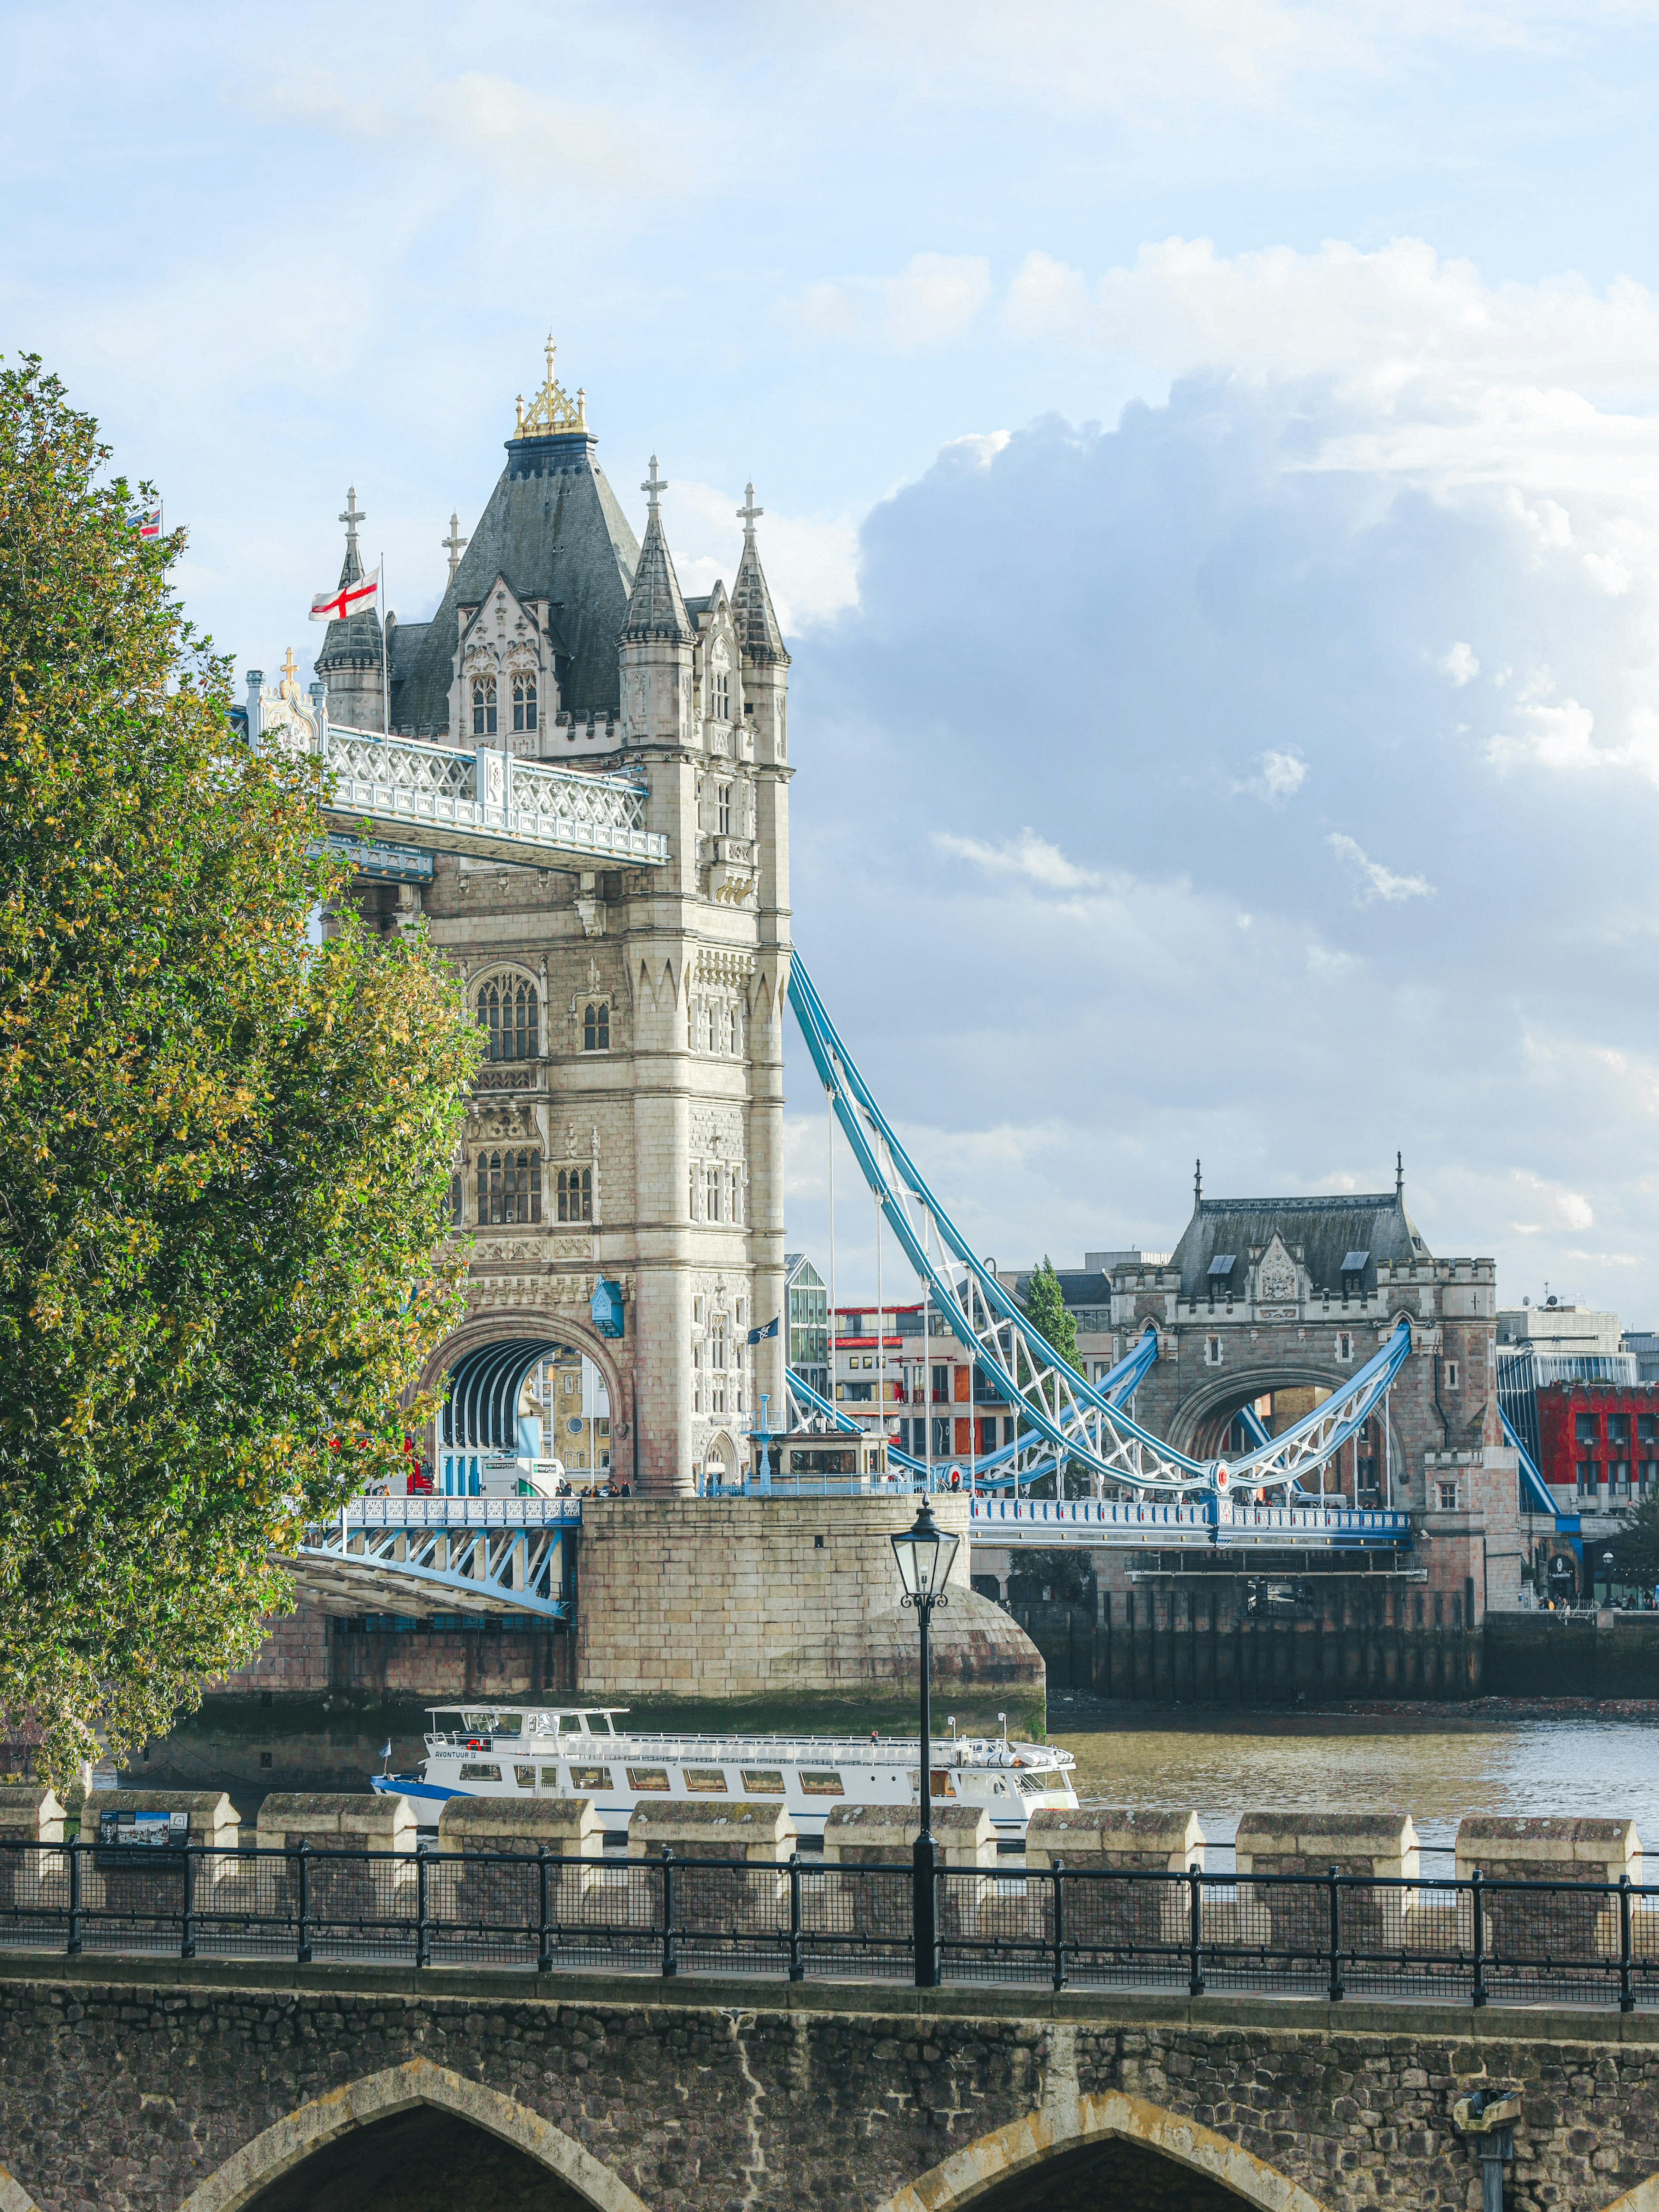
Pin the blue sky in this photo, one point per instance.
(1211, 475)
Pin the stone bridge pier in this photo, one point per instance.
(197, 2087)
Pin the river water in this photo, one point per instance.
(1577, 1764)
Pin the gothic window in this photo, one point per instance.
(721, 702)
(457, 1200)
(576, 1193)
(690, 1026)
(714, 1194)
(737, 1201)
(711, 1030)
(509, 1188)
(732, 1018)
(596, 1027)
(524, 702)
(511, 1013)
(691, 1203)
(717, 1362)
(723, 808)
(483, 706)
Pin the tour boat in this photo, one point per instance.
(526, 1752)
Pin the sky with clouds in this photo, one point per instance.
(1210, 457)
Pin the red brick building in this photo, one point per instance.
(1599, 1443)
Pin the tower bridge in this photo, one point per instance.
(577, 781)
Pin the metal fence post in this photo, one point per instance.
(544, 1933)
(73, 1947)
(670, 1965)
(1336, 1988)
(797, 1965)
(1194, 1931)
(422, 1926)
(302, 1948)
(1626, 2001)
(187, 1927)
(1059, 1922)
(1478, 1994)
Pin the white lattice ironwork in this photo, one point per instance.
(486, 803)
(420, 1556)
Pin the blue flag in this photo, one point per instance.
(760, 1335)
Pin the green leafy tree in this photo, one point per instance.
(1636, 1549)
(224, 1150)
(1047, 1309)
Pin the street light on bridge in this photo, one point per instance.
(925, 1552)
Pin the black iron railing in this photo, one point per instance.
(1328, 1936)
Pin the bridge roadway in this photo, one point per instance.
(151, 2085)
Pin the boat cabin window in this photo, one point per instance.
(820, 1781)
(549, 1777)
(480, 1769)
(706, 1781)
(763, 1782)
(648, 1777)
(589, 1777)
(525, 1776)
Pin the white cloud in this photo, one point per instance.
(1565, 1208)
(1376, 882)
(1459, 664)
(811, 562)
(1559, 735)
(1027, 856)
(935, 298)
(1283, 774)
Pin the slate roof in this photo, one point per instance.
(759, 638)
(656, 609)
(1078, 1287)
(1327, 1229)
(554, 529)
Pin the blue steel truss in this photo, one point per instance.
(1077, 1418)
(418, 1556)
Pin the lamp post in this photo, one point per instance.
(924, 1554)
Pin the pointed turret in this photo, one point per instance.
(351, 660)
(657, 637)
(759, 638)
(655, 610)
(765, 663)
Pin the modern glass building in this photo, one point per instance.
(808, 1308)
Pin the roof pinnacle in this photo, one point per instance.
(654, 485)
(749, 514)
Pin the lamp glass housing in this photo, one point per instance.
(924, 1554)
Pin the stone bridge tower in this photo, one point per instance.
(622, 1156)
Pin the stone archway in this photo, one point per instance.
(982, 2171)
(281, 2149)
(559, 1325)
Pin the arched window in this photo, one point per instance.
(714, 1194)
(712, 1031)
(737, 1201)
(596, 1027)
(733, 1017)
(483, 706)
(457, 1200)
(576, 1193)
(721, 706)
(511, 1013)
(524, 702)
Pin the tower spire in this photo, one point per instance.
(1399, 1175)
(453, 544)
(351, 514)
(655, 609)
(759, 638)
(1198, 1183)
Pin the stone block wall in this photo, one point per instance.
(750, 1599)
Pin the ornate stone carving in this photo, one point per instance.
(1275, 1278)
(503, 1079)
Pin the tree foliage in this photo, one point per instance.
(1636, 1549)
(1047, 1309)
(224, 1148)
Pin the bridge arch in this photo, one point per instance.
(493, 1348)
(986, 2172)
(1201, 1422)
(281, 2149)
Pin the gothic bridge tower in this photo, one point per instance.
(626, 1130)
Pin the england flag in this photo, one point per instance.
(348, 599)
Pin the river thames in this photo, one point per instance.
(1574, 1763)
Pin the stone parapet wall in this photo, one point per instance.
(679, 2095)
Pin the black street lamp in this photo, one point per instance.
(924, 1554)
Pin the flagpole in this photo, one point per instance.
(386, 687)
